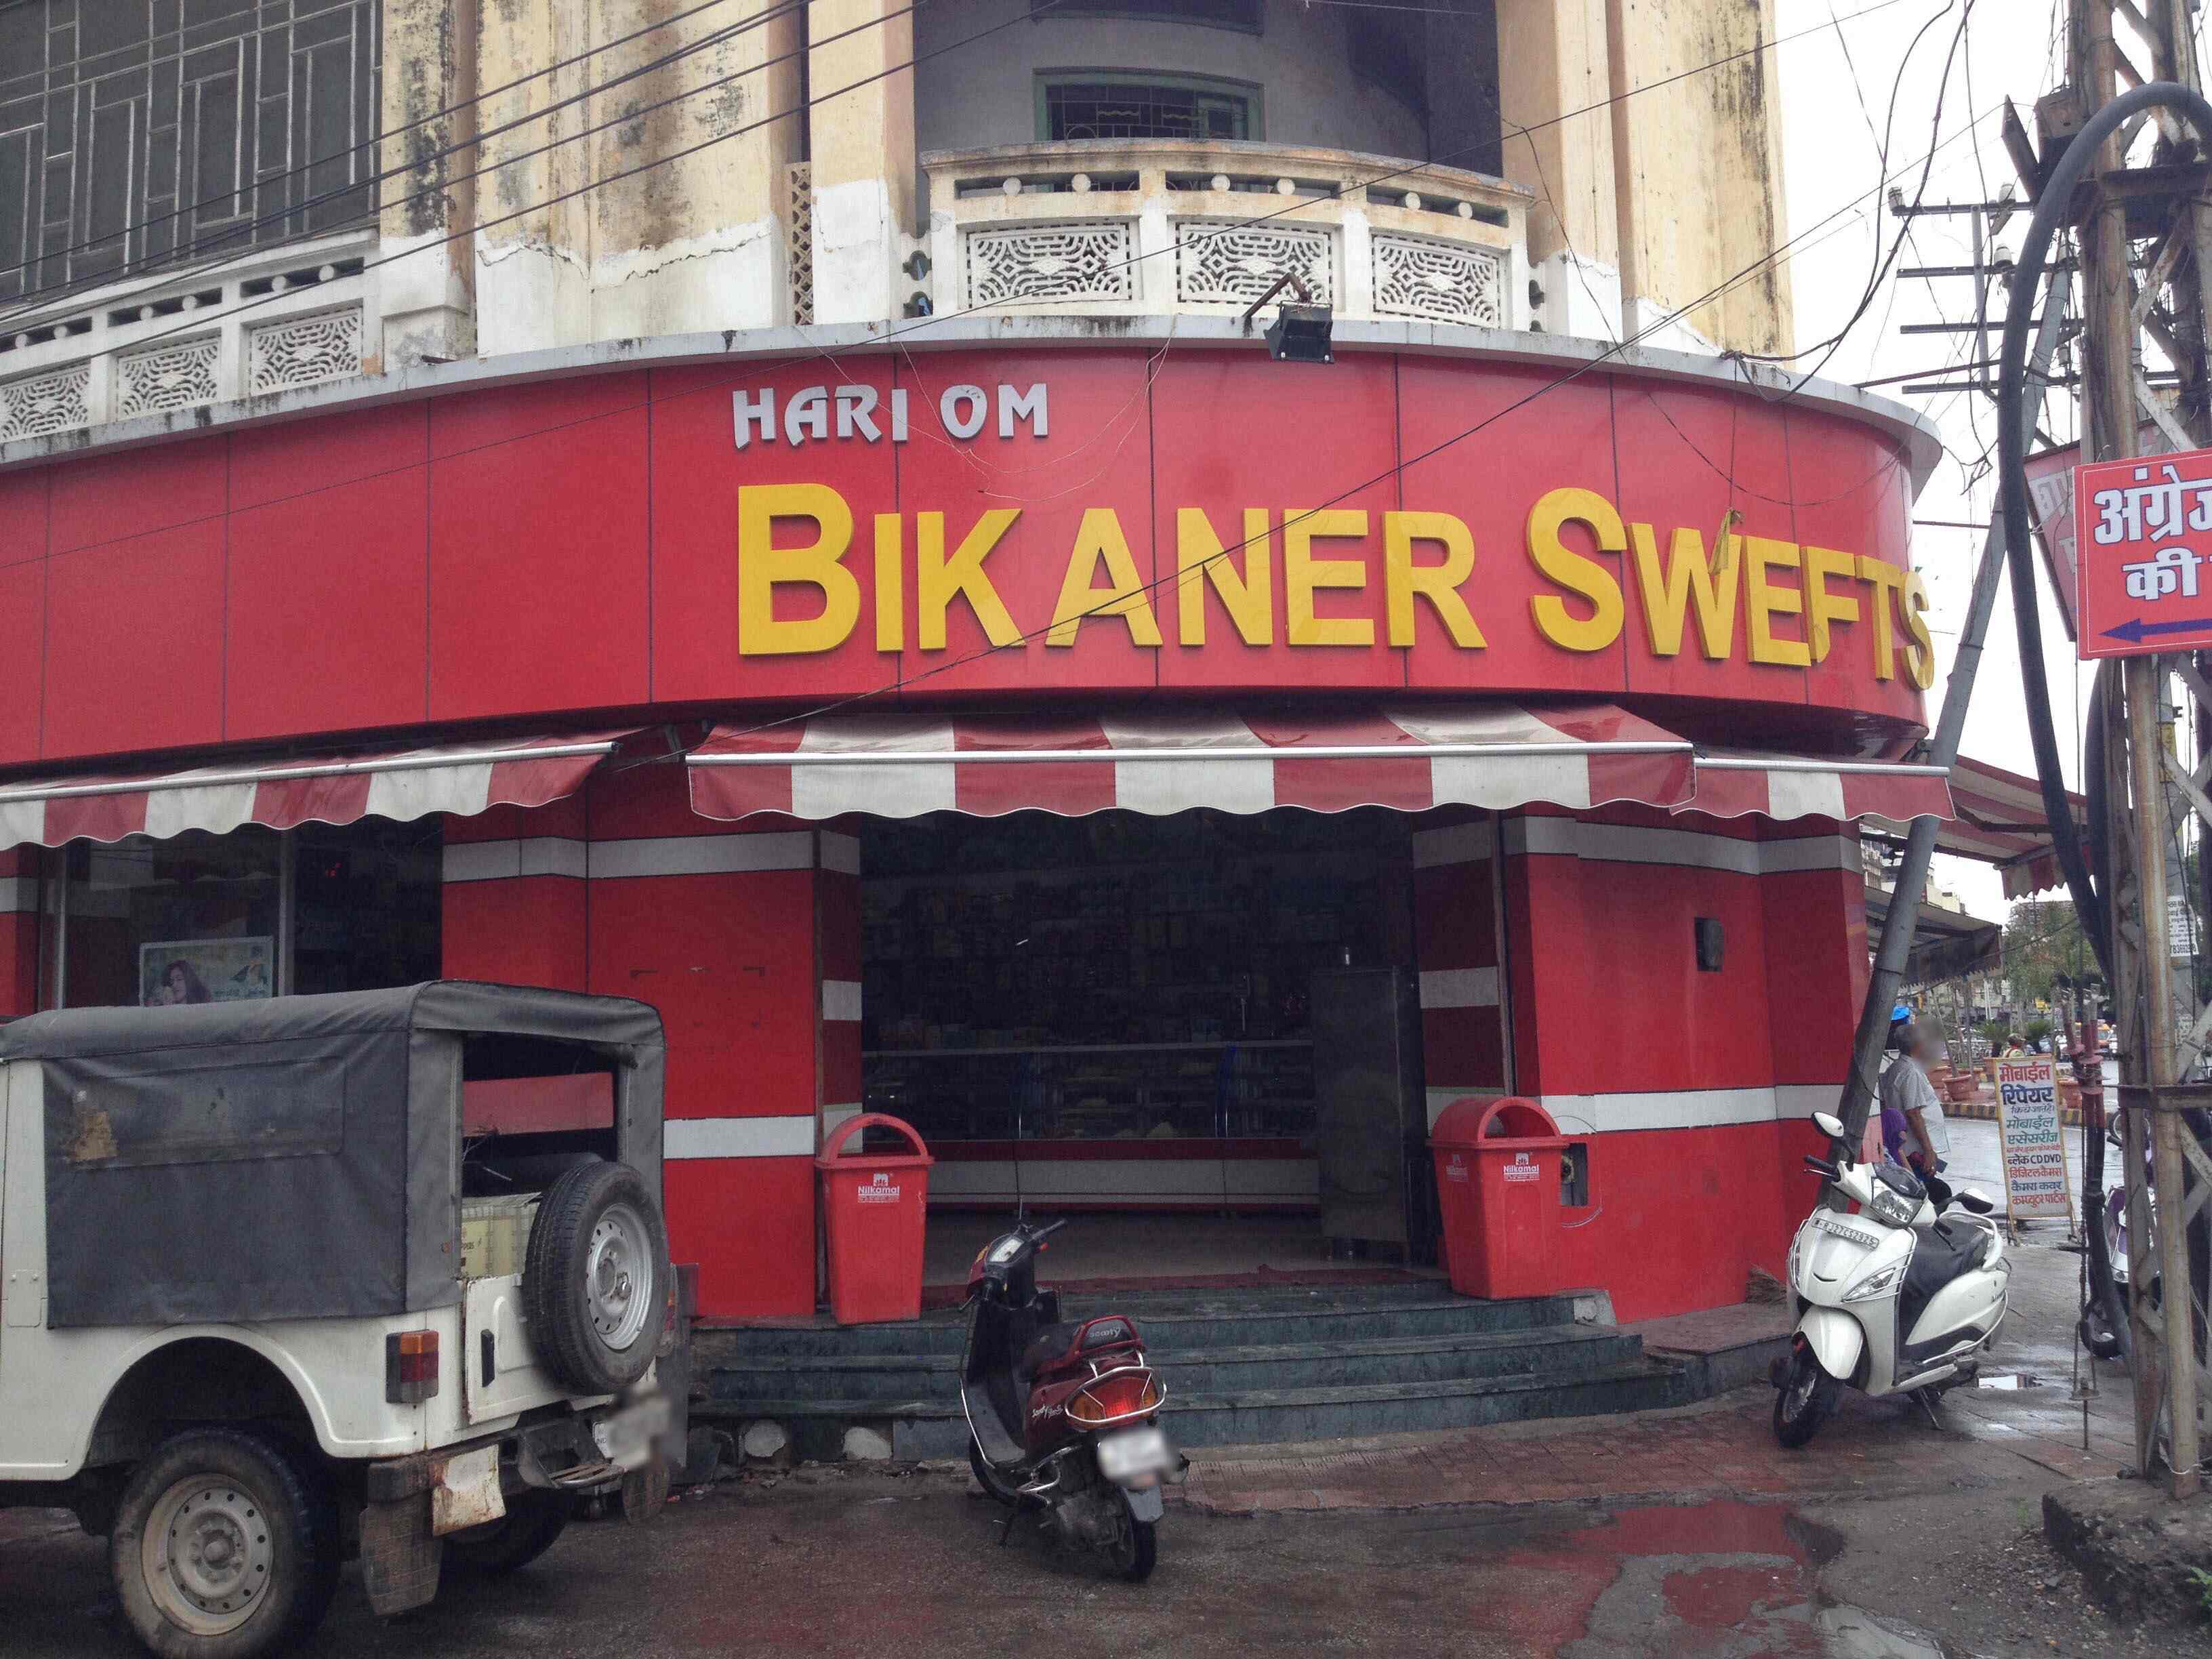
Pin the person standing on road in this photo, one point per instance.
(1913, 1130)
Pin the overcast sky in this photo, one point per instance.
(1831, 163)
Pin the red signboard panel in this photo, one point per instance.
(2143, 542)
(797, 533)
(346, 568)
(135, 653)
(538, 572)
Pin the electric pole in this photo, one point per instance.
(2144, 232)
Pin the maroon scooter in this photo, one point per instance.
(1063, 1416)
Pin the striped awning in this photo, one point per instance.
(2001, 821)
(1408, 757)
(410, 783)
(1734, 784)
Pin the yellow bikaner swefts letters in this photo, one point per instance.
(1584, 558)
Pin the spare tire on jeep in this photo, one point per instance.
(596, 1278)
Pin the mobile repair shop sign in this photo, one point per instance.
(2144, 544)
(2036, 1185)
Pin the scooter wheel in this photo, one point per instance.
(1136, 1550)
(996, 1486)
(1807, 1397)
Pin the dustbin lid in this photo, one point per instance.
(833, 1150)
(1471, 1121)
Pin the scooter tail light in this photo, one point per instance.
(1115, 1398)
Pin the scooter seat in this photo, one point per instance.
(1050, 1345)
(1941, 1251)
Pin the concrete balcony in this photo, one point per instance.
(267, 321)
(1142, 227)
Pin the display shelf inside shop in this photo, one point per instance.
(1162, 1091)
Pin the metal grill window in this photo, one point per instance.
(1133, 108)
(135, 133)
(1221, 14)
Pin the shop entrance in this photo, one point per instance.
(1114, 1014)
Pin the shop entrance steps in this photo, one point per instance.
(1242, 1367)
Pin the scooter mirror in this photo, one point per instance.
(1829, 1125)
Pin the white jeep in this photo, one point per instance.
(381, 1273)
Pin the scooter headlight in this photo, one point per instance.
(1893, 1208)
(1881, 1282)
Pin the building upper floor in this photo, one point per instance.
(210, 200)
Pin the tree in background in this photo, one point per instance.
(2044, 943)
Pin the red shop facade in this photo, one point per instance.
(1006, 735)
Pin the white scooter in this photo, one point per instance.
(1890, 1300)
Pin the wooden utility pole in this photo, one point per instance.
(2159, 1040)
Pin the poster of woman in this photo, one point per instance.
(186, 970)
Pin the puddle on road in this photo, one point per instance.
(1717, 1577)
(2008, 1380)
(1854, 1633)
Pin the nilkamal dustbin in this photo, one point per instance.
(1497, 1191)
(873, 1205)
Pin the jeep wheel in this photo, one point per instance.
(595, 1277)
(532, 1522)
(225, 1546)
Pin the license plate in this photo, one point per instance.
(625, 1437)
(1826, 1222)
(1135, 1452)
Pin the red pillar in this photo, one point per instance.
(1456, 929)
(513, 903)
(18, 932)
(715, 925)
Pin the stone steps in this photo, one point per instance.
(1242, 1367)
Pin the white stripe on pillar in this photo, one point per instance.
(684, 1138)
(18, 894)
(840, 853)
(505, 861)
(841, 999)
(701, 855)
(1459, 987)
(1456, 843)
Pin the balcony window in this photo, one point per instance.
(1220, 14)
(1187, 107)
(134, 135)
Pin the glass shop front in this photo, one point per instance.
(1117, 1011)
(254, 913)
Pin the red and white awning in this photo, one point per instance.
(900, 766)
(2001, 821)
(1734, 784)
(465, 779)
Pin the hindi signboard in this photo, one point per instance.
(2142, 543)
(2036, 1183)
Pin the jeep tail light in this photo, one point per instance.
(1115, 1398)
(410, 1367)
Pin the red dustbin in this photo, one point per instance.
(873, 1207)
(1497, 1187)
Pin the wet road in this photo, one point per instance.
(879, 1565)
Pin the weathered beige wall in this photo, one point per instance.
(1699, 167)
(429, 71)
(690, 243)
(1550, 59)
(862, 154)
